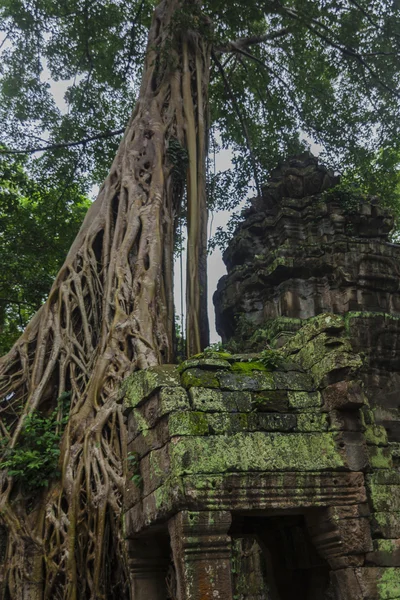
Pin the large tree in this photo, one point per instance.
(259, 72)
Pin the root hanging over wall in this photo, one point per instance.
(109, 312)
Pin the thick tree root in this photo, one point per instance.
(109, 312)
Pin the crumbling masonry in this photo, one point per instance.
(271, 472)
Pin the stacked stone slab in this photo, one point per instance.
(280, 447)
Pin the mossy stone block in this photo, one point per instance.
(172, 399)
(255, 452)
(376, 435)
(270, 401)
(317, 349)
(255, 382)
(143, 384)
(386, 524)
(212, 364)
(389, 584)
(335, 361)
(326, 322)
(304, 400)
(312, 422)
(272, 422)
(293, 380)
(211, 400)
(227, 423)
(188, 423)
(380, 457)
(196, 377)
(384, 498)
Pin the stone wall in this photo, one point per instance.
(280, 448)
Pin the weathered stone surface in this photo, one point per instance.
(142, 384)
(386, 553)
(256, 452)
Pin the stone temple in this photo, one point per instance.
(270, 471)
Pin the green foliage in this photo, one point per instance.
(37, 226)
(271, 359)
(215, 347)
(179, 158)
(133, 466)
(332, 75)
(349, 195)
(33, 462)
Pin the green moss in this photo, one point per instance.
(210, 363)
(389, 584)
(248, 367)
(376, 435)
(304, 400)
(380, 457)
(142, 384)
(188, 423)
(199, 378)
(312, 422)
(255, 452)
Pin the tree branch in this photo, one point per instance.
(240, 117)
(345, 50)
(99, 136)
(241, 43)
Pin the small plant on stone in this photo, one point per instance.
(271, 359)
(133, 466)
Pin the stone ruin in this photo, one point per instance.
(271, 471)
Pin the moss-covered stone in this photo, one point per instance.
(248, 367)
(209, 400)
(376, 435)
(171, 399)
(327, 322)
(384, 491)
(312, 422)
(196, 377)
(255, 382)
(337, 360)
(204, 363)
(316, 349)
(304, 400)
(270, 401)
(142, 384)
(386, 524)
(255, 452)
(293, 381)
(380, 457)
(272, 422)
(389, 584)
(188, 423)
(227, 423)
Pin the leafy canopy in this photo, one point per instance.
(37, 227)
(282, 71)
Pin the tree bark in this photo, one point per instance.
(109, 312)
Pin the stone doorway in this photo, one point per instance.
(273, 558)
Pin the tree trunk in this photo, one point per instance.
(109, 312)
